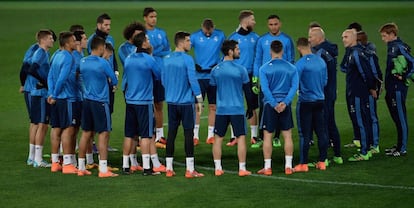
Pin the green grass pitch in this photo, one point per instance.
(380, 182)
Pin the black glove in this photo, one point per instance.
(198, 68)
(39, 85)
(249, 113)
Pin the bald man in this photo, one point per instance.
(360, 84)
(328, 52)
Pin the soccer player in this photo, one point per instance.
(36, 83)
(140, 68)
(263, 55)
(230, 78)
(247, 40)
(161, 47)
(279, 82)
(181, 86)
(312, 72)
(328, 52)
(63, 96)
(206, 42)
(396, 84)
(103, 27)
(95, 72)
(359, 85)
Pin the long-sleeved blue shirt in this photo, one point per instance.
(229, 78)
(329, 52)
(247, 46)
(26, 64)
(62, 77)
(207, 50)
(78, 56)
(108, 39)
(159, 41)
(312, 78)
(359, 76)
(178, 77)
(41, 58)
(124, 51)
(396, 48)
(263, 50)
(279, 81)
(95, 72)
(139, 72)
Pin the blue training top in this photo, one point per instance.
(95, 72)
(247, 45)
(27, 59)
(312, 78)
(62, 77)
(279, 81)
(229, 78)
(41, 58)
(124, 51)
(140, 70)
(178, 78)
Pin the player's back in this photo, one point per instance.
(95, 83)
(312, 76)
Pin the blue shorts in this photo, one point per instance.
(27, 100)
(95, 116)
(65, 113)
(139, 120)
(158, 91)
(181, 113)
(238, 123)
(272, 120)
(39, 110)
(207, 89)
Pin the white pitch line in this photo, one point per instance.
(311, 180)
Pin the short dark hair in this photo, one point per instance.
(139, 39)
(102, 17)
(208, 23)
(130, 29)
(273, 16)
(356, 26)
(276, 46)
(228, 45)
(180, 36)
(96, 42)
(302, 42)
(78, 35)
(64, 38)
(362, 37)
(42, 33)
(53, 35)
(109, 47)
(314, 24)
(147, 11)
(74, 28)
(245, 13)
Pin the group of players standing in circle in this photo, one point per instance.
(78, 91)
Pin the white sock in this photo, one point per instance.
(155, 161)
(146, 161)
(231, 131)
(196, 131)
(169, 161)
(159, 133)
(89, 158)
(31, 151)
(125, 161)
(55, 158)
(242, 166)
(268, 163)
(133, 159)
(217, 165)
(73, 159)
(189, 161)
(81, 164)
(103, 166)
(288, 159)
(210, 131)
(67, 159)
(253, 130)
(38, 153)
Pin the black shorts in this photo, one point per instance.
(207, 89)
(139, 120)
(95, 116)
(158, 91)
(39, 110)
(272, 120)
(238, 123)
(184, 114)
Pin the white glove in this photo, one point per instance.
(200, 104)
